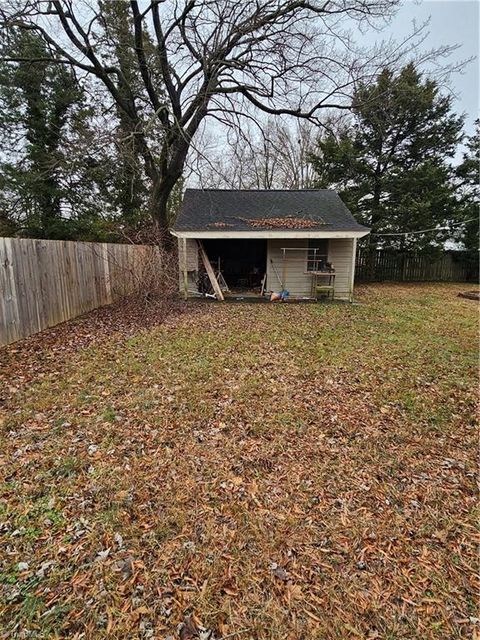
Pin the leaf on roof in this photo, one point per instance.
(287, 222)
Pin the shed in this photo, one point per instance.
(254, 242)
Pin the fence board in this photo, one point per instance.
(388, 265)
(44, 282)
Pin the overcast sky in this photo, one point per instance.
(451, 22)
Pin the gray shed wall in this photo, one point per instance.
(298, 280)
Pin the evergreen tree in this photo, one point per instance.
(468, 173)
(69, 168)
(37, 97)
(391, 166)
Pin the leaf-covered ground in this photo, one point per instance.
(258, 471)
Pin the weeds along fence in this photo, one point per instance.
(45, 282)
(383, 265)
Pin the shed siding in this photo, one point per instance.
(192, 263)
(192, 255)
(297, 280)
(340, 254)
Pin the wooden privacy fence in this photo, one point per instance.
(44, 282)
(449, 266)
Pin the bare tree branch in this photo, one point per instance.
(223, 59)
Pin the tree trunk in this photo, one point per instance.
(158, 208)
(170, 173)
(375, 219)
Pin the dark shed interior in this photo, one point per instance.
(243, 262)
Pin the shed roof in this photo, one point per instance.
(256, 210)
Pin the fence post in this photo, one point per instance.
(370, 262)
(404, 264)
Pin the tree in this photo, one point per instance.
(219, 59)
(468, 174)
(392, 165)
(66, 172)
(37, 100)
(275, 158)
(129, 185)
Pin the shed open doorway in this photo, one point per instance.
(242, 262)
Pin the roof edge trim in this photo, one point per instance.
(270, 234)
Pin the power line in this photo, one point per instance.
(410, 233)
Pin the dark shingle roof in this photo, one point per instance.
(251, 210)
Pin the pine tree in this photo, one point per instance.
(392, 165)
(468, 173)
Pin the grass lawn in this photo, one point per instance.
(264, 472)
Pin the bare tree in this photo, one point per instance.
(286, 148)
(217, 58)
(275, 157)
